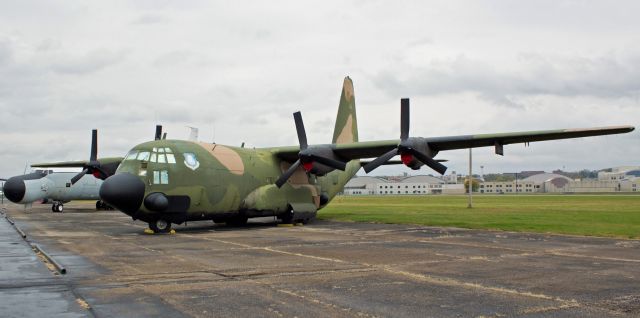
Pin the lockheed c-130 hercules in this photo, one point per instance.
(163, 182)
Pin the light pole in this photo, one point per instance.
(470, 182)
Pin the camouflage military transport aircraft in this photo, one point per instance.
(58, 187)
(173, 181)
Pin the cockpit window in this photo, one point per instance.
(161, 177)
(131, 155)
(162, 155)
(157, 155)
(143, 155)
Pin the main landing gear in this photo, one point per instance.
(291, 217)
(160, 226)
(57, 207)
(100, 205)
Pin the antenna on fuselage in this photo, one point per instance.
(193, 133)
(158, 132)
(213, 127)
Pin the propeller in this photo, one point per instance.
(307, 156)
(408, 149)
(93, 166)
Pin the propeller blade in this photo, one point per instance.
(302, 135)
(380, 160)
(287, 174)
(430, 162)
(158, 132)
(404, 118)
(94, 145)
(329, 162)
(79, 176)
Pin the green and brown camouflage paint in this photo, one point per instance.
(231, 180)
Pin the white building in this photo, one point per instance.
(415, 185)
(620, 173)
(620, 179)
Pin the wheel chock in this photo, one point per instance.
(149, 231)
(172, 232)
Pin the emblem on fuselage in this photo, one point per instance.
(191, 161)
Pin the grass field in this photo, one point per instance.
(594, 215)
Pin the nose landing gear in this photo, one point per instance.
(57, 207)
(100, 205)
(160, 226)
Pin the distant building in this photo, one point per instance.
(620, 179)
(527, 174)
(415, 185)
(620, 173)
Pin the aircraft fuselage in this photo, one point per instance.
(181, 181)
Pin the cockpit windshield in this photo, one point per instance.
(157, 154)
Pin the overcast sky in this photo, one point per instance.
(238, 70)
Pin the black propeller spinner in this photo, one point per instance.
(308, 155)
(93, 166)
(409, 148)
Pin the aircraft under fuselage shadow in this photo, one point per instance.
(202, 227)
(164, 182)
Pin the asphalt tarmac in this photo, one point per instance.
(323, 269)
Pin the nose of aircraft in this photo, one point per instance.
(123, 191)
(14, 189)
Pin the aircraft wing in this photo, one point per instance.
(483, 140)
(371, 149)
(76, 164)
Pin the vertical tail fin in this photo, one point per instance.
(346, 129)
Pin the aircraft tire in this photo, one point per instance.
(99, 206)
(53, 208)
(287, 217)
(160, 226)
(60, 208)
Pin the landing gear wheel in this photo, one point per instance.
(160, 226)
(54, 207)
(287, 217)
(99, 206)
(59, 208)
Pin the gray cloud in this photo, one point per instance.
(147, 19)
(244, 69)
(92, 61)
(533, 74)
